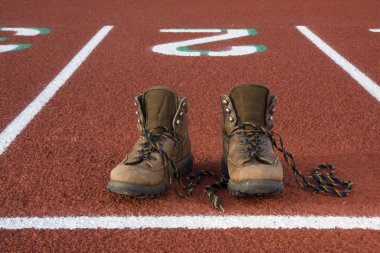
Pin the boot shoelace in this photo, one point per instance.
(323, 181)
(153, 143)
(253, 143)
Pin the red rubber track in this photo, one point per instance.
(160, 240)
(362, 49)
(92, 124)
(61, 162)
(25, 73)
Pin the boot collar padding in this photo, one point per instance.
(179, 117)
(229, 113)
(139, 113)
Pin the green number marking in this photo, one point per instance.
(20, 31)
(182, 48)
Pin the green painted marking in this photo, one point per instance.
(251, 31)
(260, 48)
(40, 29)
(187, 49)
(21, 47)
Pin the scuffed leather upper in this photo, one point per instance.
(245, 162)
(151, 171)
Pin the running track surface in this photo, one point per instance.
(60, 163)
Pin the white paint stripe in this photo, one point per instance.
(191, 30)
(22, 120)
(172, 48)
(7, 48)
(192, 222)
(21, 31)
(367, 83)
(375, 30)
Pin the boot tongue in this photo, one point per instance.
(250, 103)
(159, 109)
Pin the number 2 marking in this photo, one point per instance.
(181, 48)
(20, 31)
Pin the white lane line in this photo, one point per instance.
(375, 30)
(191, 222)
(367, 83)
(14, 128)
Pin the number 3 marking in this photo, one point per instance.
(181, 48)
(20, 31)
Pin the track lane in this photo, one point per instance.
(23, 74)
(360, 46)
(160, 240)
(14, 128)
(211, 13)
(61, 163)
(91, 126)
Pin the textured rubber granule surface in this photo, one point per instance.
(182, 240)
(24, 74)
(60, 164)
(91, 126)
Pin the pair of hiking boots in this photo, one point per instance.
(163, 151)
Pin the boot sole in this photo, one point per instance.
(255, 187)
(260, 187)
(149, 191)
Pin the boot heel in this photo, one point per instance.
(224, 167)
(185, 166)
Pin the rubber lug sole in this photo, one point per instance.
(255, 187)
(149, 191)
(262, 187)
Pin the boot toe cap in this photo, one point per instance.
(134, 174)
(250, 172)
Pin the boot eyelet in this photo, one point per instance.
(230, 118)
(177, 121)
(135, 103)
(183, 104)
(136, 112)
(181, 113)
(271, 117)
(228, 110)
(225, 102)
(139, 121)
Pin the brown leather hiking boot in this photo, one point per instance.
(249, 160)
(162, 152)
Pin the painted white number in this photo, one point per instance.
(181, 48)
(20, 31)
(376, 30)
